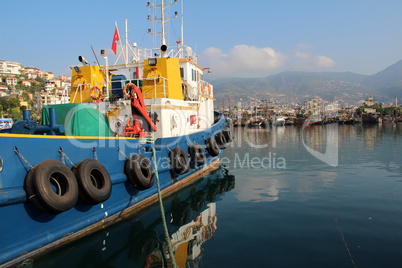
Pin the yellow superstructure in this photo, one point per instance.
(91, 76)
(162, 79)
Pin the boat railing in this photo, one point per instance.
(154, 89)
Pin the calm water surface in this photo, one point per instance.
(273, 203)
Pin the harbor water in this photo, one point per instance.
(317, 196)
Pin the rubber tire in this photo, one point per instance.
(31, 192)
(93, 180)
(221, 140)
(51, 202)
(212, 147)
(139, 172)
(228, 134)
(197, 154)
(179, 161)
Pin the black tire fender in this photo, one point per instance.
(227, 132)
(197, 154)
(179, 160)
(212, 146)
(221, 140)
(139, 172)
(93, 180)
(230, 127)
(51, 186)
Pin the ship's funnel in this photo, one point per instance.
(83, 60)
(163, 51)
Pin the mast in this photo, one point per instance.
(182, 32)
(163, 41)
(126, 45)
(163, 19)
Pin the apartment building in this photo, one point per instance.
(10, 68)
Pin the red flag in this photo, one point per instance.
(115, 39)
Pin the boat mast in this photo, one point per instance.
(182, 32)
(163, 19)
(163, 41)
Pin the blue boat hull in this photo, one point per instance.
(26, 231)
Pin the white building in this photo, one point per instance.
(10, 68)
(11, 81)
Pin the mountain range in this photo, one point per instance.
(299, 86)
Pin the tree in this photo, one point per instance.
(25, 96)
(4, 103)
(15, 114)
(14, 103)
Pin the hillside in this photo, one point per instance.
(347, 86)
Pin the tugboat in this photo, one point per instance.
(130, 132)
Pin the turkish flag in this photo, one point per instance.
(115, 39)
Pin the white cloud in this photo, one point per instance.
(242, 60)
(251, 61)
(325, 62)
(306, 61)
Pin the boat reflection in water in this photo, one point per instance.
(139, 241)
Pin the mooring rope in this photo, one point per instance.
(167, 237)
(340, 231)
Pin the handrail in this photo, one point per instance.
(86, 87)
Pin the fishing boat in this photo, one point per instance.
(131, 133)
(6, 123)
(279, 121)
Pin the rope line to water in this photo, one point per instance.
(167, 237)
(344, 242)
(340, 231)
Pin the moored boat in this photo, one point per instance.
(130, 132)
(6, 123)
(279, 121)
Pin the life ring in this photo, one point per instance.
(179, 160)
(93, 180)
(221, 140)
(41, 181)
(212, 146)
(209, 90)
(128, 88)
(203, 88)
(139, 172)
(197, 154)
(95, 93)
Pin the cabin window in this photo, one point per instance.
(181, 73)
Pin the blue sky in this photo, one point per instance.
(234, 38)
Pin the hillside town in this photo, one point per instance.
(254, 112)
(27, 87)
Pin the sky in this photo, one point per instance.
(234, 38)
